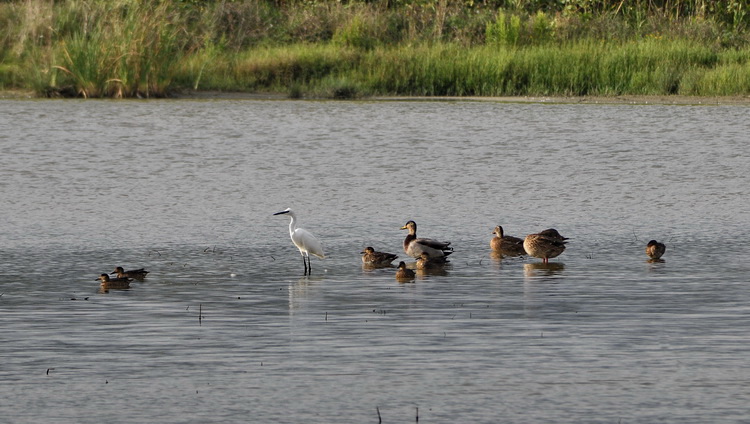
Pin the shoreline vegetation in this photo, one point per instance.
(623, 51)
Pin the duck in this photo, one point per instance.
(414, 246)
(655, 250)
(373, 258)
(138, 274)
(545, 244)
(404, 273)
(508, 245)
(114, 283)
(425, 262)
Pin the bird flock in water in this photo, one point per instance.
(430, 254)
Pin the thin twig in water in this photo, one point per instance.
(417, 414)
(380, 420)
(200, 313)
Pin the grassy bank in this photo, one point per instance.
(129, 48)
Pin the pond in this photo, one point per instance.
(226, 328)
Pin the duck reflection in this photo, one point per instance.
(497, 255)
(422, 274)
(541, 269)
(655, 261)
(371, 267)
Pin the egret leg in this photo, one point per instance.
(309, 265)
(304, 263)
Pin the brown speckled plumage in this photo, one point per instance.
(404, 273)
(114, 283)
(138, 274)
(655, 250)
(374, 258)
(426, 262)
(545, 244)
(507, 245)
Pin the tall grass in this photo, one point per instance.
(98, 49)
(150, 48)
(647, 67)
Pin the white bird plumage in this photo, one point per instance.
(304, 240)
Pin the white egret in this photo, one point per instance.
(304, 240)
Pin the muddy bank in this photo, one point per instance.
(624, 99)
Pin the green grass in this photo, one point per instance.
(146, 48)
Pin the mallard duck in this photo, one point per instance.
(414, 246)
(508, 245)
(373, 258)
(404, 273)
(655, 250)
(545, 245)
(114, 283)
(138, 274)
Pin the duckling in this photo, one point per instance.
(138, 274)
(508, 245)
(404, 274)
(114, 283)
(373, 258)
(546, 244)
(655, 250)
(414, 246)
(425, 262)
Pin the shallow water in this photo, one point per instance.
(225, 328)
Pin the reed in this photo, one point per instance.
(103, 49)
(322, 48)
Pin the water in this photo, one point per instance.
(226, 329)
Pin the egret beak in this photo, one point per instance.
(282, 212)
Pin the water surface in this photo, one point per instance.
(227, 329)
